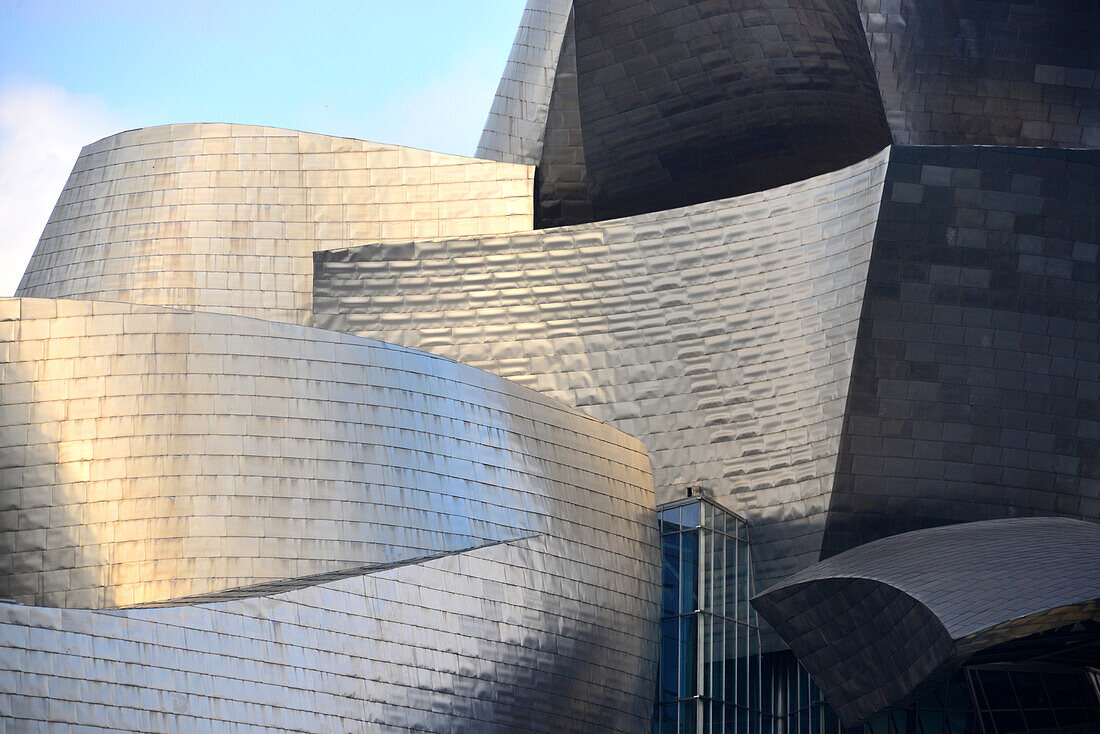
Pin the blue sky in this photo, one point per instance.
(413, 72)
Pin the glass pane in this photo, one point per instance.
(998, 689)
(688, 646)
(671, 575)
(669, 659)
(689, 571)
(667, 719)
(730, 580)
(744, 583)
(689, 515)
(687, 717)
(671, 519)
(708, 654)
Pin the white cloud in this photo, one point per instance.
(42, 129)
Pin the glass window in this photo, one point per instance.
(670, 647)
(689, 643)
(689, 571)
(671, 575)
(689, 515)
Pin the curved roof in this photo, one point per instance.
(875, 622)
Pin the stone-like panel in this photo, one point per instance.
(1025, 72)
(976, 385)
(150, 454)
(226, 217)
(516, 124)
(542, 635)
(876, 622)
(721, 335)
(684, 102)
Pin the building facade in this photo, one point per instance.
(747, 380)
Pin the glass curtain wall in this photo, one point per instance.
(709, 678)
(713, 679)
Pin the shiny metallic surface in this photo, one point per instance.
(983, 72)
(153, 454)
(227, 518)
(523, 636)
(874, 623)
(975, 389)
(516, 124)
(721, 335)
(683, 102)
(227, 217)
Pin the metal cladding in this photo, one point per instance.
(521, 636)
(517, 120)
(161, 454)
(975, 390)
(721, 335)
(683, 102)
(667, 103)
(873, 623)
(987, 73)
(227, 217)
(233, 471)
(228, 517)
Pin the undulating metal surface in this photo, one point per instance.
(226, 217)
(975, 389)
(988, 72)
(547, 634)
(153, 454)
(516, 124)
(721, 335)
(683, 102)
(874, 623)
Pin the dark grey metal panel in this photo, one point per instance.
(561, 180)
(683, 102)
(975, 390)
(986, 71)
(874, 623)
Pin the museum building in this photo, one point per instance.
(747, 380)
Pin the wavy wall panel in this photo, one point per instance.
(720, 335)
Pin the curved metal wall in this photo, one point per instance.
(515, 129)
(975, 388)
(153, 454)
(987, 72)
(874, 623)
(227, 217)
(684, 102)
(543, 635)
(720, 335)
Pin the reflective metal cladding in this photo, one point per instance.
(876, 622)
(781, 250)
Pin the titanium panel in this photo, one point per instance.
(721, 335)
(516, 124)
(561, 180)
(683, 102)
(544, 634)
(985, 72)
(876, 622)
(150, 454)
(975, 389)
(226, 217)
